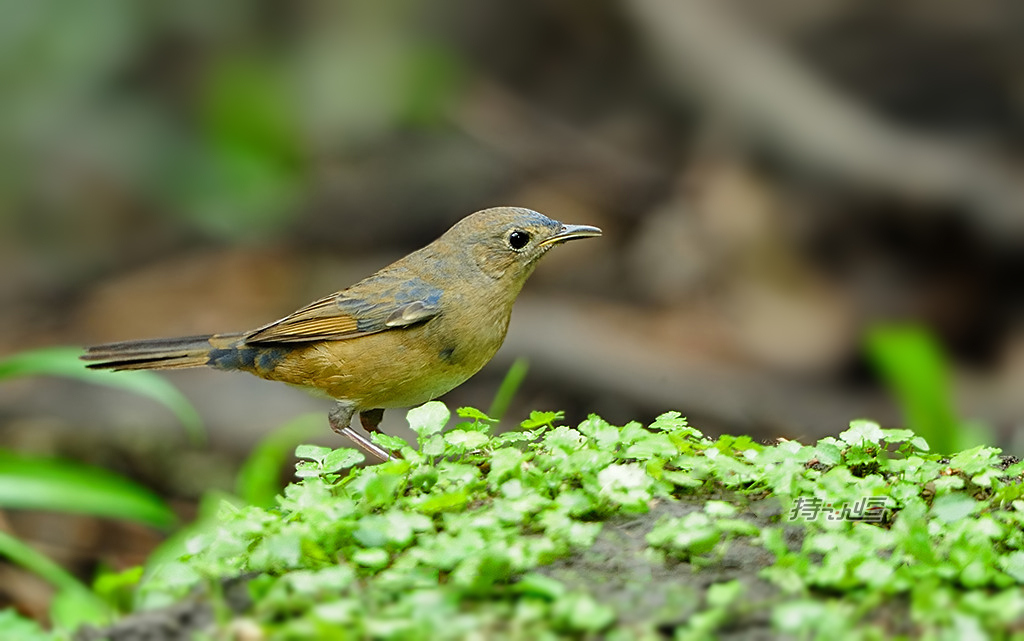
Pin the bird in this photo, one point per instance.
(412, 331)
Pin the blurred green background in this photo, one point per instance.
(812, 210)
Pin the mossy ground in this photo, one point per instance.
(598, 531)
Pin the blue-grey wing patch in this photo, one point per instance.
(384, 303)
(411, 314)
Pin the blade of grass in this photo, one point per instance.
(74, 604)
(64, 362)
(914, 367)
(509, 386)
(258, 481)
(64, 486)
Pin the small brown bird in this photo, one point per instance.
(409, 333)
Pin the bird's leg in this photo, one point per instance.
(340, 418)
(370, 420)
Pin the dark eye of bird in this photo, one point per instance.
(518, 239)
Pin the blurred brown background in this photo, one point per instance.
(772, 178)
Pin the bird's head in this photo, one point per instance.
(505, 243)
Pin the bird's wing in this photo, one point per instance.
(381, 302)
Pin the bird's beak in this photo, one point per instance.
(571, 232)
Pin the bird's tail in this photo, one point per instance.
(157, 353)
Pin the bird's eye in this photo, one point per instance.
(518, 239)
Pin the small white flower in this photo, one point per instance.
(625, 484)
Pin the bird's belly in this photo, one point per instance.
(384, 370)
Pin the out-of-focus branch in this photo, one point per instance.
(518, 130)
(767, 95)
(583, 344)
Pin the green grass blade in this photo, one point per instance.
(64, 486)
(64, 362)
(74, 604)
(258, 481)
(509, 386)
(914, 367)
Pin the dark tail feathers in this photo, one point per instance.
(157, 353)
